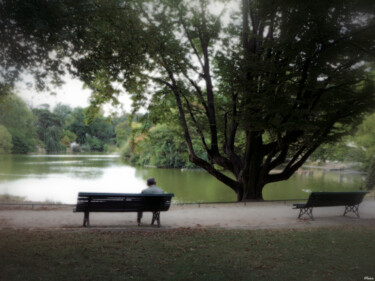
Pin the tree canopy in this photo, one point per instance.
(261, 85)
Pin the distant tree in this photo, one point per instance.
(5, 89)
(53, 139)
(95, 132)
(68, 137)
(76, 124)
(370, 179)
(5, 140)
(266, 87)
(63, 111)
(50, 129)
(123, 131)
(94, 144)
(101, 128)
(365, 138)
(344, 150)
(19, 121)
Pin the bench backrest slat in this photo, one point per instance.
(323, 199)
(123, 202)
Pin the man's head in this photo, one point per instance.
(151, 181)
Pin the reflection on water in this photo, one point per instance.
(300, 185)
(189, 185)
(59, 178)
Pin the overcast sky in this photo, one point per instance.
(71, 93)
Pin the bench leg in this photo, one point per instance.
(353, 209)
(86, 219)
(155, 217)
(306, 211)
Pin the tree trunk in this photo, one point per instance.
(250, 179)
(250, 190)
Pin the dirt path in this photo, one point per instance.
(233, 216)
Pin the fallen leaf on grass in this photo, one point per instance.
(260, 266)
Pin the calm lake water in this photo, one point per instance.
(59, 178)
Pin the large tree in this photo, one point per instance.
(50, 129)
(19, 122)
(261, 86)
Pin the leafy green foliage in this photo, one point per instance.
(53, 131)
(161, 146)
(344, 150)
(102, 129)
(365, 137)
(370, 179)
(50, 130)
(123, 131)
(63, 111)
(5, 140)
(94, 144)
(21, 143)
(366, 143)
(76, 124)
(19, 121)
(68, 137)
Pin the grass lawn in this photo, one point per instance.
(345, 253)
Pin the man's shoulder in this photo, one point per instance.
(152, 190)
(159, 189)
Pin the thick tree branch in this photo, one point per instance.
(210, 100)
(290, 169)
(211, 170)
(271, 163)
(229, 138)
(199, 92)
(288, 138)
(197, 126)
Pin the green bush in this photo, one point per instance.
(21, 143)
(110, 148)
(162, 146)
(68, 137)
(94, 144)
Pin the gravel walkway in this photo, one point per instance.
(260, 215)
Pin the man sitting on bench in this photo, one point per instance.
(151, 189)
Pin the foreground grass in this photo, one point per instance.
(184, 254)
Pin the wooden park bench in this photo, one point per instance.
(350, 200)
(122, 202)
